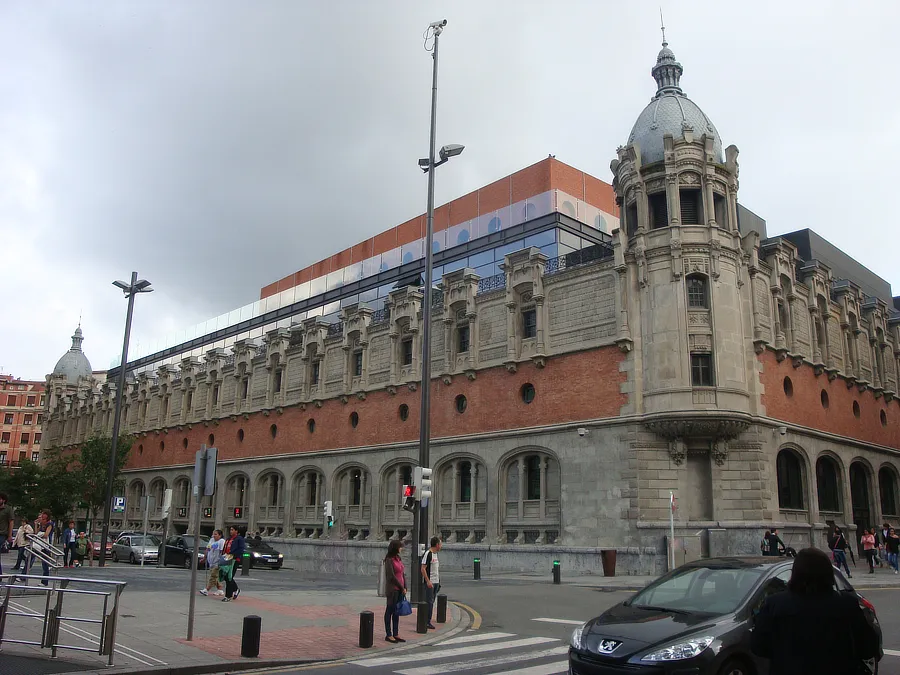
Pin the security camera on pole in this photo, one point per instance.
(428, 164)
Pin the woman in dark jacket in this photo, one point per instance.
(812, 628)
(395, 589)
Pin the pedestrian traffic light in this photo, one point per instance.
(409, 497)
(422, 482)
(207, 512)
(182, 512)
(238, 512)
(329, 513)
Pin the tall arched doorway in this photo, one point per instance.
(859, 494)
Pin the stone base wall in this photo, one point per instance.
(362, 558)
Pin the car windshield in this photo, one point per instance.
(700, 590)
(139, 541)
(189, 542)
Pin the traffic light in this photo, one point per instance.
(207, 512)
(409, 497)
(182, 512)
(329, 513)
(422, 482)
(238, 512)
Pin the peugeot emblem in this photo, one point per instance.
(608, 646)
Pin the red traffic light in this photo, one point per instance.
(409, 490)
(238, 512)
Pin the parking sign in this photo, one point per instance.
(118, 505)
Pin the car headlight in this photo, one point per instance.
(577, 635)
(281, 555)
(255, 554)
(682, 650)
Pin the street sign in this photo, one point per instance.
(118, 505)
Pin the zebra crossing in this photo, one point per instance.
(477, 652)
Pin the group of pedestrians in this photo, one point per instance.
(879, 547)
(222, 556)
(394, 574)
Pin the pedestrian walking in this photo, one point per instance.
(82, 549)
(812, 628)
(6, 527)
(21, 542)
(838, 545)
(776, 546)
(44, 533)
(232, 554)
(69, 537)
(892, 548)
(868, 544)
(764, 543)
(431, 575)
(214, 556)
(395, 590)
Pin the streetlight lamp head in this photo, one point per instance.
(423, 163)
(451, 150)
(143, 286)
(121, 284)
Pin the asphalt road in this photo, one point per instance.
(519, 626)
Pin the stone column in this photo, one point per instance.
(250, 502)
(828, 358)
(709, 204)
(287, 525)
(448, 341)
(672, 202)
(454, 495)
(854, 351)
(511, 330)
(541, 328)
(544, 467)
(473, 347)
(814, 334)
(364, 375)
(362, 493)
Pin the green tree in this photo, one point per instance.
(23, 485)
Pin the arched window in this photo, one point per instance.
(887, 485)
(790, 480)
(828, 485)
(697, 292)
(465, 482)
(531, 501)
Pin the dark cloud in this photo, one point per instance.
(218, 146)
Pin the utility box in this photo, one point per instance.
(688, 547)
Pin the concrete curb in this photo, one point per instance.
(462, 623)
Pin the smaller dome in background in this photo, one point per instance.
(74, 364)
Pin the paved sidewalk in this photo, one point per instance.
(297, 625)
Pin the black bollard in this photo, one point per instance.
(442, 609)
(422, 617)
(250, 636)
(477, 569)
(245, 565)
(366, 629)
(556, 571)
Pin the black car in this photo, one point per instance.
(180, 550)
(263, 555)
(695, 619)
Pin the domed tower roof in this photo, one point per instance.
(670, 112)
(74, 364)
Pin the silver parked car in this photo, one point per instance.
(133, 547)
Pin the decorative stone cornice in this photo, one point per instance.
(698, 424)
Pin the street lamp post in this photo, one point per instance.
(420, 526)
(130, 290)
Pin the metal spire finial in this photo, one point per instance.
(662, 25)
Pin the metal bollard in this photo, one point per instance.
(245, 565)
(422, 617)
(477, 565)
(250, 636)
(366, 629)
(556, 572)
(442, 609)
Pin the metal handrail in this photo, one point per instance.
(53, 615)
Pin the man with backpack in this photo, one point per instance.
(431, 574)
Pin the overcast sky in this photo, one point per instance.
(217, 146)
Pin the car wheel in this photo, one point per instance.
(187, 562)
(115, 558)
(132, 559)
(735, 667)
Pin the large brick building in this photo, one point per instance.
(584, 368)
(21, 420)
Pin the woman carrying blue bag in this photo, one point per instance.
(395, 591)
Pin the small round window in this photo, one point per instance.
(404, 412)
(240, 435)
(527, 392)
(354, 419)
(788, 387)
(856, 409)
(461, 404)
(273, 430)
(824, 398)
(311, 425)
(883, 416)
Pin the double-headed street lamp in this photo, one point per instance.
(130, 290)
(420, 528)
